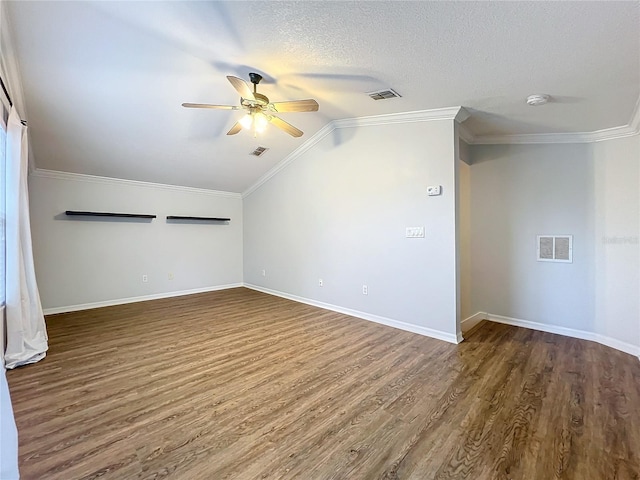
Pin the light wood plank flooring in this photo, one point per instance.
(241, 385)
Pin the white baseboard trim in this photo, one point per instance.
(144, 298)
(567, 332)
(470, 322)
(427, 332)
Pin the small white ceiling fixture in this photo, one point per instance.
(537, 99)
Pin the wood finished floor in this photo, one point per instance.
(241, 385)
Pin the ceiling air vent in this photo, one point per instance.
(384, 94)
(259, 151)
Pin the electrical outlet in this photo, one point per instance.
(365, 290)
(320, 283)
(145, 279)
(170, 275)
(264, 273)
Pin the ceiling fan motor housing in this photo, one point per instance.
(255, 78)
(259, 100)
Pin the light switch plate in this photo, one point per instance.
(414, 232)
(434, 190)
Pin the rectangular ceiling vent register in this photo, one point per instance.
(384, 94)
(259, 151)
(555, 248)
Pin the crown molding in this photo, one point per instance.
(80, 177)
(538, 138)
(629, 130)
(459, 114)
(462, 115)
(465, 134)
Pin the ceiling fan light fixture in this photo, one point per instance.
(246, 121)
(260, 122)
(260, 110)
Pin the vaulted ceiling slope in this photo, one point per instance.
(103, 82)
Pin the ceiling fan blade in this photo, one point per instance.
(241, 87)
(235, 129)
(287, 127)
(309, 105)
(206, 105)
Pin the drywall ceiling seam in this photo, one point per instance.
(538, 138)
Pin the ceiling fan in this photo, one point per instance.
(260, 111)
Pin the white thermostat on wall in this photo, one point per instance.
(434, 190)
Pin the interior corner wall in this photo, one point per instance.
(617, 235)
(587, 190)
(339, 213)
(464, 229)
(517, 193)
(82, 261)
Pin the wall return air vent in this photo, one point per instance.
(259, 151)
(384, 94)
(555, 248)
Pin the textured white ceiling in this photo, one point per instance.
(103, 81)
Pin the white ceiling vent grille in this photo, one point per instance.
(384, 94)
(555, 248)
(259, 151)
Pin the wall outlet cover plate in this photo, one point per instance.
(414, 232)
(434, 190)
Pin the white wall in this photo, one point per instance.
(339, 213)
(617, 233)
(518, 192)
(84, 260)
(587, 190)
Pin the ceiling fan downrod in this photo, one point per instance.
(255, 79)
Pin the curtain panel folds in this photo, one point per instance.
(26, 330)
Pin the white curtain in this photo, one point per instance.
(26, 330)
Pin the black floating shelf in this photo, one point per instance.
(107, 214)
(202, 219)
